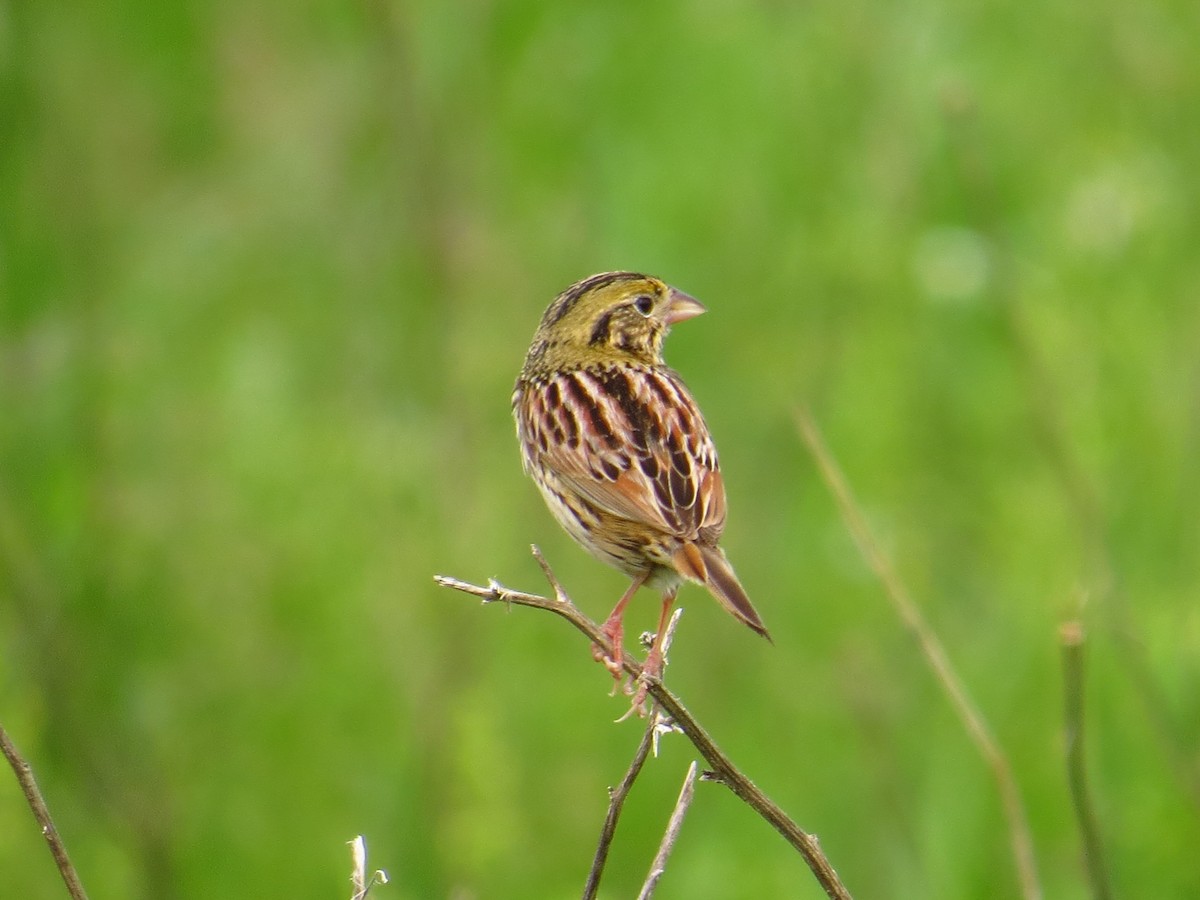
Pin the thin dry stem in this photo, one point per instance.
(656, 726)
(674, 825)
(358, 875)
(934, 653)
(723, 769)
(615, 801)
(1046, 412)
(33, 796)
(1071, 639)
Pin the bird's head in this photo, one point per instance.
(612, 317)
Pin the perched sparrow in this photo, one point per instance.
(619, 450)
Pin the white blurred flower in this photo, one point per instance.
(1107, 207)
(952, 264)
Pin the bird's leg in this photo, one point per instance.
(653, 666)
(614, 630)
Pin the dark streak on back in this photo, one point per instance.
(600, 424)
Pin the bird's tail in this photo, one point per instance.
(709, 566)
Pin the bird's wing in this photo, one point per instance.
(631, 441)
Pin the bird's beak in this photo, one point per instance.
(681, 307)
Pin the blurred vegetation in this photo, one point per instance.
(268, 272)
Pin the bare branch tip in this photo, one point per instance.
(1071, 633)
(672, 624)
(358, 875)
(663, 724)
(674, 826)
(449, 581)
(559, 594)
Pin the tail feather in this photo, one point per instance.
(709, 566)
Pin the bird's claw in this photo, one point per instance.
(651, 675)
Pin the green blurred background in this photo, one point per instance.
(268, 273)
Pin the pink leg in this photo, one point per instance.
(614, 630)
(652, 668)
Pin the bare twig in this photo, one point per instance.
(358, 875)
(935, 655)
(663, 724)
(656, 726)
(33, 796)
(672, 834)
(723, 769)
(615, 801)
(1071, 639)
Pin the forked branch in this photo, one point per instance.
(616, 801)
(722, 768)
(656, 725)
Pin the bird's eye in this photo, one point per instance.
(644, 304)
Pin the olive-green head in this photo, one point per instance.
(608, 318)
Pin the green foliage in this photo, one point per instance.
(268, 273)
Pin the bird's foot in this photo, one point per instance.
(615, 633)
(652, 670)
